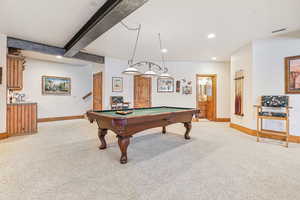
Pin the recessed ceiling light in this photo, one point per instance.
(164, 50)
(211, 35)
(59, 57)
(214, 58)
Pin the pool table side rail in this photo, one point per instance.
(101, 113)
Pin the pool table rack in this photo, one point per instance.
(126, 126)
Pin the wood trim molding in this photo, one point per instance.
(53, 119)
(292, 138)
(4, 136)
(222, 119)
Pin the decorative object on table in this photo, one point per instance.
(117, 84)
(277, 109)
(124, 112)
(165, 85)
(153, 68)
(239, 93)
(177, 86)
(117, 103)
(52, 85)
(292, 75)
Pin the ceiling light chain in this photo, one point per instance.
(132, 66)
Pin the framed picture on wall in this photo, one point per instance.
(117, 84)
(165, 85)
(292, 75)
(53, 85)
(177, 86)
(0, 75)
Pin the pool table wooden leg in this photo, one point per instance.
(123, 144)
(188, 126)
(101, 135)
(164, 130)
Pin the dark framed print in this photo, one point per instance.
(117, 84)
(53, 85)
(165, 85)
(177, 86)
(292, 75)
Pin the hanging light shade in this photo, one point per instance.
(131, 71)
(149, 73)
(164, 75)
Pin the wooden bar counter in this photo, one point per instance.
(21, 118)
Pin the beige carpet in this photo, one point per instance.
(63, 162)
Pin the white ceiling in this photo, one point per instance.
(52, 22)
(184, 25)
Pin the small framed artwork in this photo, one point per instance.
(117, 84)
(292, 75)
(177, 86)
(0, 75)
(165, 85)
(53, 85)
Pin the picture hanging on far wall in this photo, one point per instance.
(187, 89)
(177, 86)
(239, 93)
(165, 85)
(117, 84)
(292, 75)
(52, 85)
(0, 75)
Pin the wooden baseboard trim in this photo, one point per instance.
(3, 136)
(223, 120)
(292, 138)
(53, 119)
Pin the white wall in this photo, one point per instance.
(3, 51)
(179, 70)
(59, 106)
(242, 60)
(114, 68)
(268, 63)
(263, 62)
(189, 70)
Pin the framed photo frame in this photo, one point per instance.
(178, 86)
(117, 84)
(165, 85)
(53, 85)
(292, 75)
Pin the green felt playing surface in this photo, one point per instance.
(146, 111)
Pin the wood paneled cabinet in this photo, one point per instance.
(21, 118)
(15, 67)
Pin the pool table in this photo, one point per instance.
(125, 126)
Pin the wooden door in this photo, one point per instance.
(208, 107)
(97, 91)
(142, 92)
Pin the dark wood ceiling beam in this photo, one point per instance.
(34, 46)
(52, 50)
(110, 14)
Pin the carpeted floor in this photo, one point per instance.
(63, 162)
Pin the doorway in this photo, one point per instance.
(97, 91)
(206, 97)
(142, 92)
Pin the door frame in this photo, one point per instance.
(214, 92)
(94, 74)
(150, 91)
